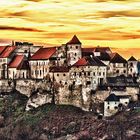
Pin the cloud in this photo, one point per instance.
(108, 14)
(19, 29)
(34, 0)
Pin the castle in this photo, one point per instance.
(67, 64)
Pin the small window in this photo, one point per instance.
(93, 73)
(131, 64)
(108, 107)
(66, 83)
(117, 71)
(124, 65)
(88, 73)
(75, 54)
(64, 74)
(103, 73)
(60, 82)
(108, 103)
(131, 70)
(126, 103)
(99, 73)
(76, 47)
(57, 74)
(124, 71)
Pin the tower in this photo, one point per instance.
(74, 52)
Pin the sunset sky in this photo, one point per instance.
(114, 23)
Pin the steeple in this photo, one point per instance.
(74, 40)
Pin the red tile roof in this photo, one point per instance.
(89, 61)
(86, 50)
(7, 52)
(24, 65)
(17, 60)
(116, 58)
(74, 40)
(2, 49)
(102, 49)
(81, 62)
(59, 69)
(43, 53)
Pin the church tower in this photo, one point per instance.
(74, 51)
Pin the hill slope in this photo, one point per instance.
(50, 122)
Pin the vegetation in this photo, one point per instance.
(51, 122)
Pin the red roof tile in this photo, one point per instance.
(58, 69)
(89, 61)
(2, 49)
(43, 53)
(17, 60)
(86, 50)
(81, 62)
(74, 40)
(7, 52)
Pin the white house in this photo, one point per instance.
(60, 74)
(117, 66)
(132, 66)
(89, 71)
(6, 55)
(112, 103)
(41, 61)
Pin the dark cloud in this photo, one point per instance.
(20, 29)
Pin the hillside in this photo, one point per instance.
(53, 122)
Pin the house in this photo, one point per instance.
(132, 66)
(41, 61)
(88, 71)
(113, 103)
(117, 66)
(23, 48)
(60, 74)
(18, 68)
(103, 53)
(6, 55)
(73, 50)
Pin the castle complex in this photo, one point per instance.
(67, 64)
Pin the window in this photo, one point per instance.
(57, 74)
(93, 73)
(124, 65)
(76, 47)
(103, 73)
(124, 71)
(80, 73)
(40, 72)
(99, 73)
(131, 70)
(75, 54)
(64, 74)
(126, 103)
(60, 82)
(131, 64)
(117, 71)
(88, 73)
(108, 107)
(108, 103)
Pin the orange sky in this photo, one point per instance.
(113, 23)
